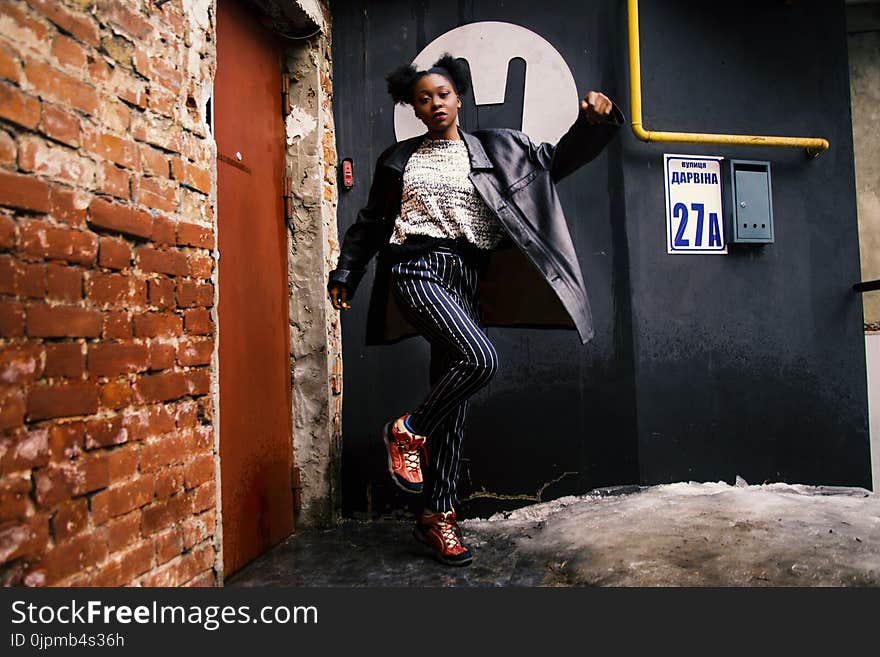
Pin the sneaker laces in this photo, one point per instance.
(410, 450)
(449, 531)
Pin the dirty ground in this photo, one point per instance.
(682, 534)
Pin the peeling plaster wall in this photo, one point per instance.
(864, 66)
(317, 12)
(314, 329)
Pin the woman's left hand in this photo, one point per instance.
(597, 106)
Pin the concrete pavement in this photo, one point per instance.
(682, 534)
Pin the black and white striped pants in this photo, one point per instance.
(438, 293)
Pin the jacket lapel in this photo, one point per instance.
(479, 159)
(400, 154)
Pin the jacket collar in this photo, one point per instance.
(400, 154)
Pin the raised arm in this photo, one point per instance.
(597, 122)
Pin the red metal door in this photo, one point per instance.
(256, 452)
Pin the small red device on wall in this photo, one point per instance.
(347, 174)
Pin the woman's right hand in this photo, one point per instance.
(338, 295)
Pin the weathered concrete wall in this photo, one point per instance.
(107, 462)
(864, 64)
(872, 350)
(314, 336)
(863, 43)
(316, 11)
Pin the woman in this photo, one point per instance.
(436, 228)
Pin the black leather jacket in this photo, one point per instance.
(516, 179)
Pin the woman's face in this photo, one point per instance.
(435, 103)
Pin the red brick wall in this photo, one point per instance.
(107, 460)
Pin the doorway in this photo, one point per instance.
(255, 397)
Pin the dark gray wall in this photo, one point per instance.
(751, 363)
(703, 367)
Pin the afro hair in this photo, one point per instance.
(401, 80)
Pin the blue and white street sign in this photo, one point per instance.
(694, 214)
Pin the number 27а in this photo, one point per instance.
(680, 211)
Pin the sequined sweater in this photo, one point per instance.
(438, 200)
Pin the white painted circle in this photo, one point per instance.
(551, 99)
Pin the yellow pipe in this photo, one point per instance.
(813, 145)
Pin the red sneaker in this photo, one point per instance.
(403, 447)
(440, 532)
